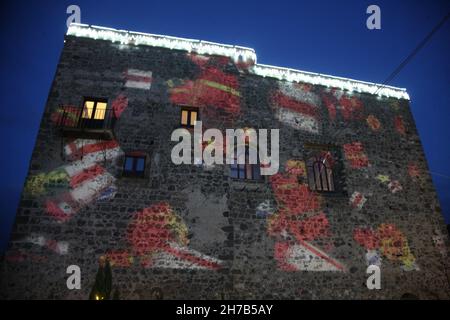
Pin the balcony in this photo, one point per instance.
(90, 122)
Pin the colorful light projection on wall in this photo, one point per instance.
(299, 223)
(388, 241)
(138, 79)
(357, 200)
(349, 107)
(119, 104)
(399, 125)
(215, 90)
(355, 155)
(158, 238)
(373, 123)
(296, 105)
(393, 186)
(80, 182)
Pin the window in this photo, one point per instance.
(134, 165)
(92, 119)
(245, 171)
(94, 109)
(320, 168)
(189, 116)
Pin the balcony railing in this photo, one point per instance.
(84, 123)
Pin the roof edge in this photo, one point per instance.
(238, 54)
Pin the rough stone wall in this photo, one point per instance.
(194, 231)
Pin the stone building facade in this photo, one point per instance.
(352, 189)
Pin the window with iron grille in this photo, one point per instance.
(323, 168)
(93, 119)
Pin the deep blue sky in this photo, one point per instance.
(322, 36)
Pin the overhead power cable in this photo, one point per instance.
(413, 53)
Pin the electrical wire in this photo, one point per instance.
(413, 53)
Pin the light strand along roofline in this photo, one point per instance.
(237, 53)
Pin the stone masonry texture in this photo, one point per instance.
(195, 232)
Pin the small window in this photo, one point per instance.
(134, 165)
(189, 116)
(320, 167)
(246, 171)
(94, 109)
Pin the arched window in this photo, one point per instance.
(320, 172)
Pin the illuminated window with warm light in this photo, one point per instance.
(94, 109)
(189, 116)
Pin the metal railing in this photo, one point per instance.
(71, 117)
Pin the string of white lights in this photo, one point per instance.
(238, 54)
